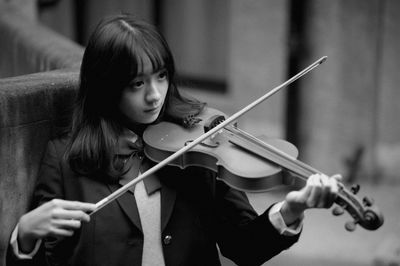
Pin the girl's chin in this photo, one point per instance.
(150, 119)
(134, 122)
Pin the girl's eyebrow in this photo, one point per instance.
(140, 75)
(160, 69)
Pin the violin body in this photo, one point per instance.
(245, 162)
(233, 165)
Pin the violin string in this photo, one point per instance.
(278, 153)
(283, 155)
(343, 193)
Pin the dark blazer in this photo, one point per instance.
(197, 214)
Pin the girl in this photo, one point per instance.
(176, 217)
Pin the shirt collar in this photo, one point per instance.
(130, 144)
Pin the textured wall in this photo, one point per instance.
(33, 108)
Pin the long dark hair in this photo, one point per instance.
(113, 57)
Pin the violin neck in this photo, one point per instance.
(267, 151)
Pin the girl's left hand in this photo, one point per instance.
(319, 192)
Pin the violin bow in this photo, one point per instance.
(116, 194)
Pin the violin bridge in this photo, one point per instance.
(211, 142)
(212, 122)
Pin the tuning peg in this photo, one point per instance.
(368, 202)
(337, 211)
(355, 188)
(350, 226)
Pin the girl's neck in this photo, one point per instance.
(136, 128)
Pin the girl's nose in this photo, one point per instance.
(153, 94)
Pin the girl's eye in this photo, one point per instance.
(162, 75)
(137, 84)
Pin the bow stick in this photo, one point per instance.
(102, 203)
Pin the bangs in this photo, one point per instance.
(146, 49)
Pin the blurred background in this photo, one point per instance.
(343, 116)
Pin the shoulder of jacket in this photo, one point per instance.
(59, 145)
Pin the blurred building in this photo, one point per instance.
(343, 116)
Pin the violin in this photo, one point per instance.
(248, 163)
(241, 160)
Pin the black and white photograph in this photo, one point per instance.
(199, 132)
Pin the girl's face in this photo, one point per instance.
(142, 100)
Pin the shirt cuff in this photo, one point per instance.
(15, 248)
(277, 221)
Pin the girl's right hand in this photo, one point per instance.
(58, 218)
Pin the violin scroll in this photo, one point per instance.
(363, 212)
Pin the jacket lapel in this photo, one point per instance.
(168, 195)
(167, 205)
(127, 203)
(127, 200)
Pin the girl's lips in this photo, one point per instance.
(152, 110)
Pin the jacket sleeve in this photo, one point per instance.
(51, 186)
(47, 187)
(244, 236)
